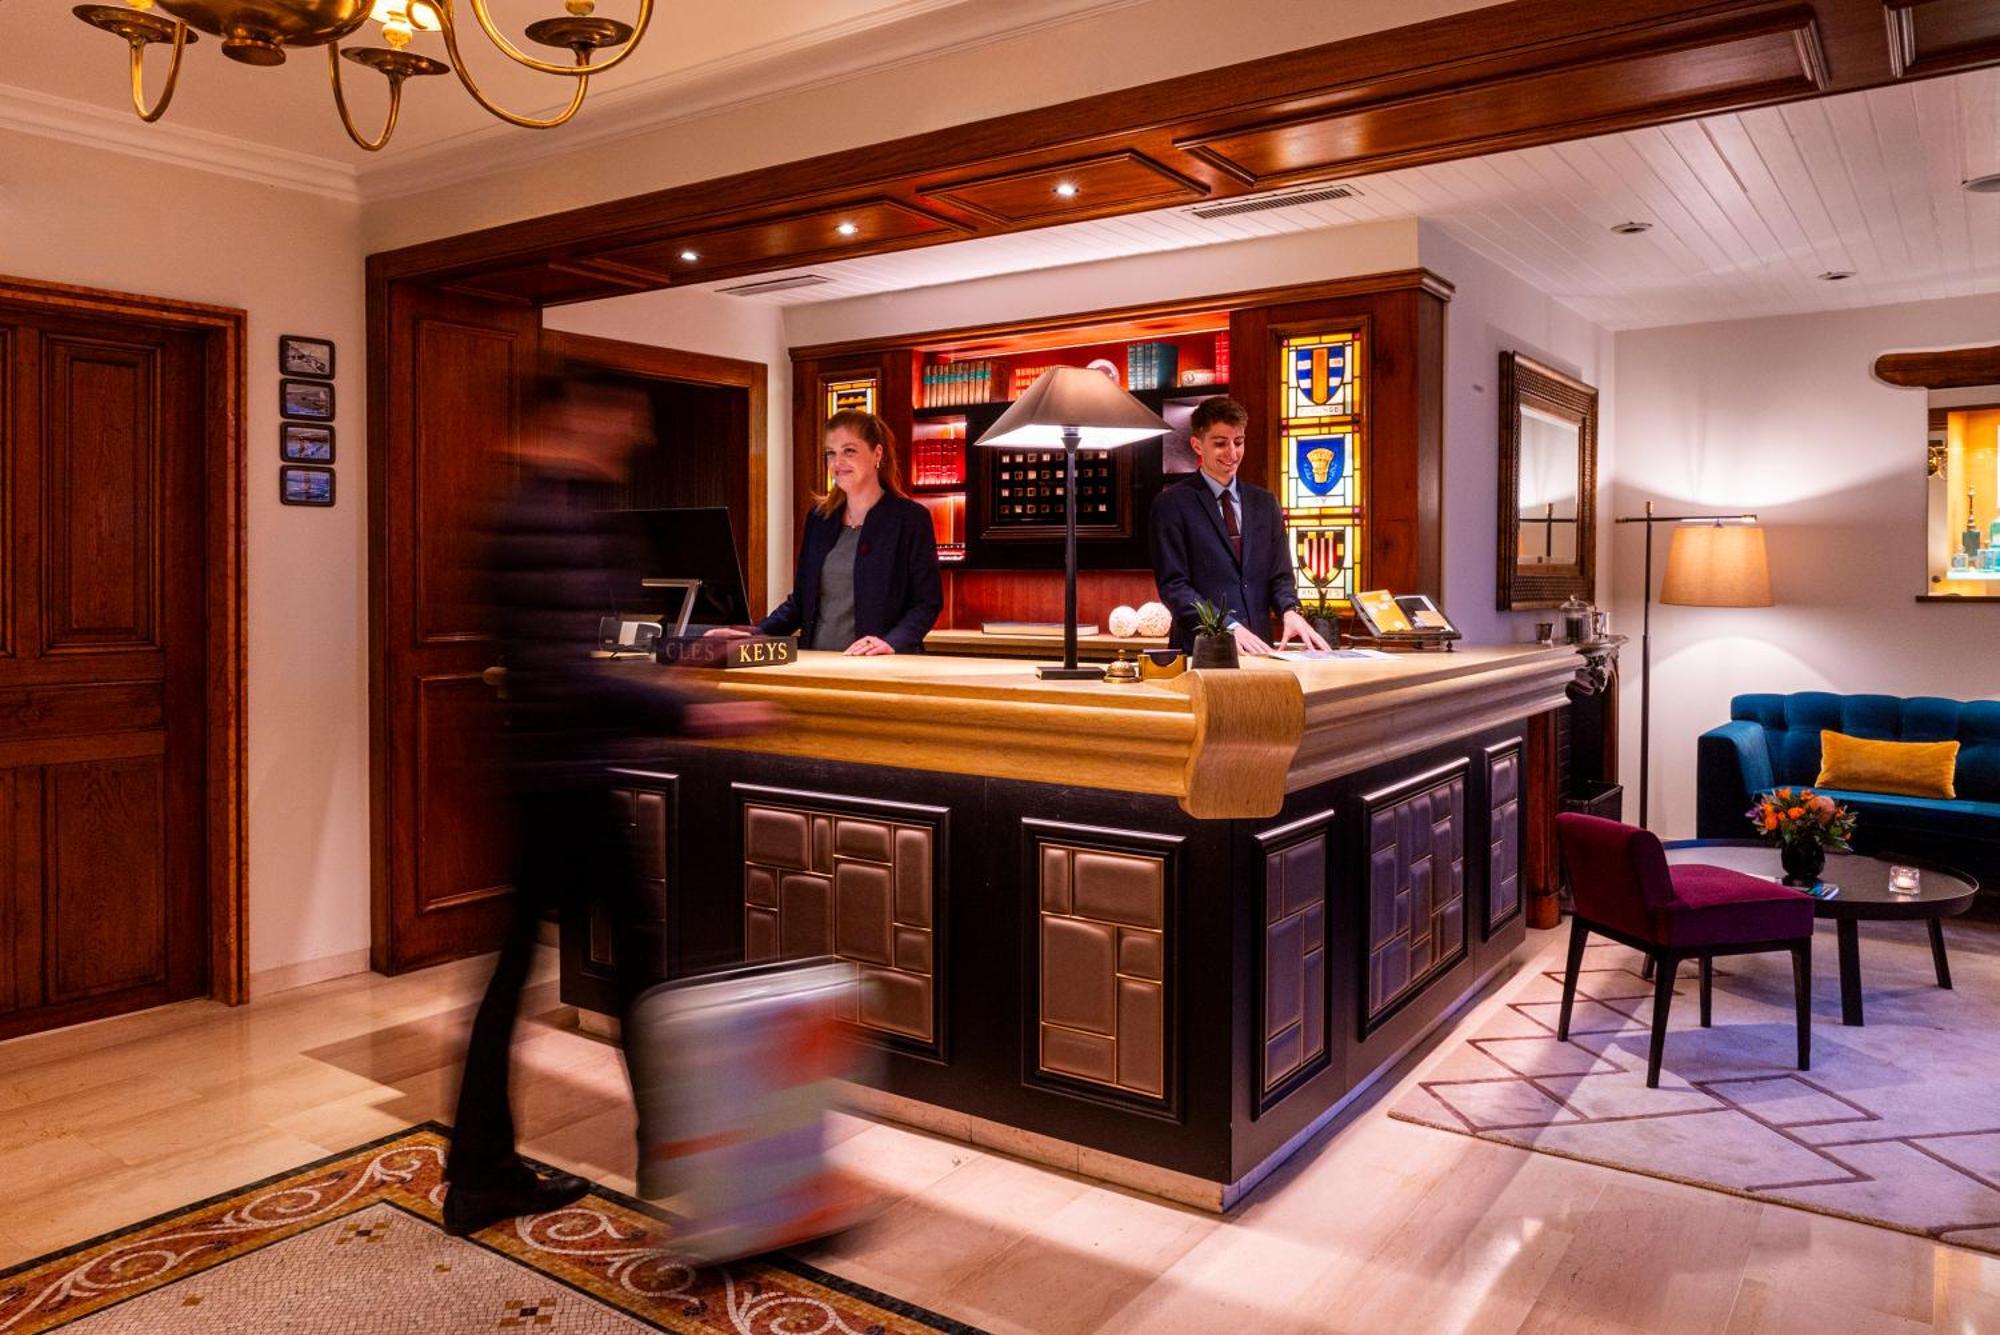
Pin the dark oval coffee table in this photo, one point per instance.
(1864, 897)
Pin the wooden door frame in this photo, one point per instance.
(695, 368)
(225, 792)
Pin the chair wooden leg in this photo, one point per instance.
(1707, 991)
(1647, 969)
(1663, 999)
(1578, 934)
(1802, 994)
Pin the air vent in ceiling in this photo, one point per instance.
(763, 286)
(1318, 194)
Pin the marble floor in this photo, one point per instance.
(1378, 1225)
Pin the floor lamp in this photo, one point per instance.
(1072, 408)
(1714, 561)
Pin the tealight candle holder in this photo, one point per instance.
(1903, 880)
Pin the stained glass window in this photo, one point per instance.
(1323, 451)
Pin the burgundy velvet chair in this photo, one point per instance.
(1624, 890)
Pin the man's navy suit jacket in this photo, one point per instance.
(1193, 559)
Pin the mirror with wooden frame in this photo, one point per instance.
(1548, 486)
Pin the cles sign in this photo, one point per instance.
(1318, 372)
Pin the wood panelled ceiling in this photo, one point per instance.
(1501, 77)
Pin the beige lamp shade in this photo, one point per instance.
(1717, 565)
(1078, 399)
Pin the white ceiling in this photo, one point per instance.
(1747, 210)
(694, 48)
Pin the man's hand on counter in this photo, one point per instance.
(726, 633)
(1297, 627)
(868, 646)
(729, 718)
(1249, 642)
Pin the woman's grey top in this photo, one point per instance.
(835, 630)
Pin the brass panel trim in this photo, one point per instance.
(1515, 749)
(1273, 1088)
(1456, 772)
(1142, 1068)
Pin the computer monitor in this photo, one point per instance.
(691, 542)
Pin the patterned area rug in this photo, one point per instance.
(1897, 1123)
(351, 1244)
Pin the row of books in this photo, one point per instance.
(956, 384)
(938, 461)
(1151, 365)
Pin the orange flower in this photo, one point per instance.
(1795, 813)
(1770, 819)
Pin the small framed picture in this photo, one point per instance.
(298, 355)
(308, 399)
(302, 444)
(305, 484)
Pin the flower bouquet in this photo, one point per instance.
(1805, 826)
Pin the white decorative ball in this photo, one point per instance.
(1155, 620)
(1124, 622)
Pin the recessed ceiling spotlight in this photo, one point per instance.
(1988, 184)
(1836, 275)
(1066, 189)
(690, 256)
(847, 229)
(1631, 228)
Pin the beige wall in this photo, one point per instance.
(1783, 417)
(1117, 48)
(1494, 312)
(703, 322)
(111, 220)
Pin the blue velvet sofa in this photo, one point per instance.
(1773, 740)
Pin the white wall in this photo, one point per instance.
(1783, 417)
(112, 220)
(697, 321)
(1494, 312)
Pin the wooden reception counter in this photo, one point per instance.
(1156, 933)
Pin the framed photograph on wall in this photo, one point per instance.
(305, 484)
(299, 443)
(310, 357)
(310, 400)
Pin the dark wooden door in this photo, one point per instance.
(448, 381)
(103, 877)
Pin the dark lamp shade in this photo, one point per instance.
(1717, 565)
(1074, 397)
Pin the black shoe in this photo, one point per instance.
(467, 1209)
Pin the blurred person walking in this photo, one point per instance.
(555, 553)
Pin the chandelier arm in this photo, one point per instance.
(525, 122)
(581, 69)
(340, 101)
(173, 76)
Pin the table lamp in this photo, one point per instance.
(1714, 561)
(1072, 408)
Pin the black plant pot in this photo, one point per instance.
(1215, 651)
(1327, 629)
(1803, 862)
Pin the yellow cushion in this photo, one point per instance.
(1910, 769)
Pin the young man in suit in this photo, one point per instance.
(1221, 539)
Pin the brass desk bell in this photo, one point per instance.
(1123, 672)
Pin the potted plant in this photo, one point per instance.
(1214, 642)
(1805, 826)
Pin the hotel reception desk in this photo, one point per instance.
(1155, 933)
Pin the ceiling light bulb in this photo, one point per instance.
(416, 15)
(141, 5)
(1067, 189)
(847, 229)
(689, 256)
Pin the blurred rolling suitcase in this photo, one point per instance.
(738, 1070)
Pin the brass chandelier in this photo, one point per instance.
(259, 32)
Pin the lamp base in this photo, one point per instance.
(1082, 672)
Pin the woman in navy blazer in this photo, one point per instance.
(867, 579)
